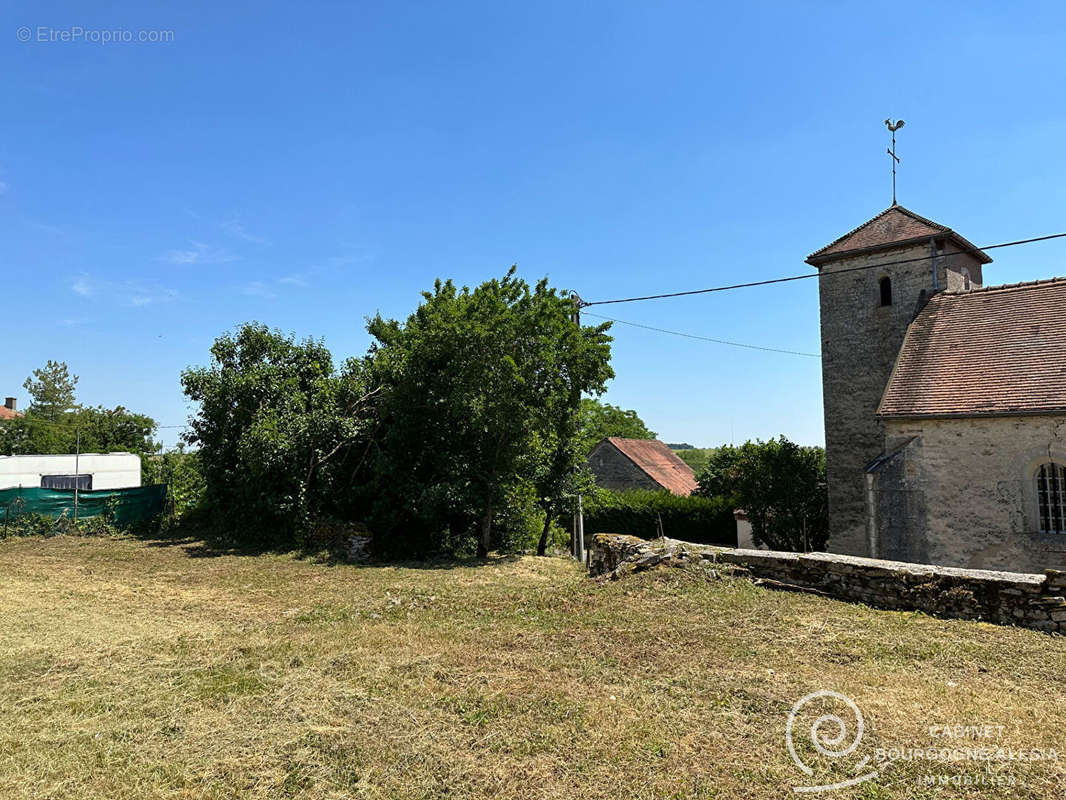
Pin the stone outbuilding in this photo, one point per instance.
(945, 401)
(623, 464)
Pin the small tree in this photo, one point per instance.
(780, 485)
(52, 389)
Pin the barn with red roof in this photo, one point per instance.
(623, 464)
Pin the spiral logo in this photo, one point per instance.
(829, 734)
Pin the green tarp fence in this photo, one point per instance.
(123, 506)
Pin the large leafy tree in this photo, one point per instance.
(780, 485)
(598, 420)
(52, 389)
(479, 393)
(277, 427)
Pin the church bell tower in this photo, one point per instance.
(872, 282)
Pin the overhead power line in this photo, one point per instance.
(706, 338)
(805, 276)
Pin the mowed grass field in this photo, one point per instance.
(133, 669)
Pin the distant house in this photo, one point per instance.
(640, 464)
(7, 410)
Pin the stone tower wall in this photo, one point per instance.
(860, 342)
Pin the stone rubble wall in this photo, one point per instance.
(1030, 600)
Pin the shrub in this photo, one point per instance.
(517, 523)
(781, 486)
(645, 513)
(31, 525)
(181, 472)
(41, 525)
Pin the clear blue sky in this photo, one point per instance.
(307, 165)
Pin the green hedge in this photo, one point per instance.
(693, 519)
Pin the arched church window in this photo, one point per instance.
(886, 291)
(1051, 498)
(965, 279)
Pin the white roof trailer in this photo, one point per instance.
(96, 471)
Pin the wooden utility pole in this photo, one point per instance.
(578, 303)
(577, 545)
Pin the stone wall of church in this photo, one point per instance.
(967, 487)
(860, 342)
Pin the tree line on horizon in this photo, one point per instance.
(56, 423)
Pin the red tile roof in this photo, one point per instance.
(894, 226)
(659, 463)
(1000, 350)
(8, 413)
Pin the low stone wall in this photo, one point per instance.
(1009, 598)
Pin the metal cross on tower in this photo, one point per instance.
(893, 127)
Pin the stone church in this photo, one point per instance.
(945, 401)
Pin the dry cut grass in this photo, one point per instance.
(133, 669)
